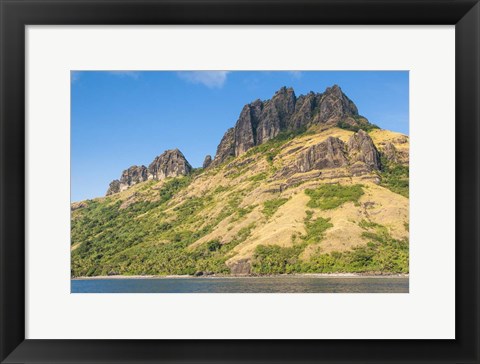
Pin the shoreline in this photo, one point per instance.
(299, 275)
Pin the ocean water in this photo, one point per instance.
(281, 284)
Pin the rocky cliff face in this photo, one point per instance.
(134, 174)
(330, 153)
(207, 161)
(361, 149)
(113, 187)
(130, 177)
(359, 154)
(171, 163)
(334, 106)
(226, 148)
(275, 116)
(261, 121)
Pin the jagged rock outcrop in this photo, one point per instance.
(395, 150)
(171, 163)
(113, 187)
(226, 148)
(133, 175)
(334, 106)
(130, 177)
(362, 149)
(246, 127)
(207, 161)
(261, 121)
(390, 152)
(78, 205)
(359, 155)
(305, 106)
(330, 153)
(275, 116)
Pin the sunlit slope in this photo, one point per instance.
(257, 213)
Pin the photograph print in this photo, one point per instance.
(239, 182)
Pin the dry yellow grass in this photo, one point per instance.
(377, 205)
(278, 230)
(399, 140)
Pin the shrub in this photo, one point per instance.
(330, 196)
(395, 177)
(316, 229)
(273, 259)
(172, 186)
(362, 123)
(258, 177)
(241, 212)
(271, 206)
(214, 245)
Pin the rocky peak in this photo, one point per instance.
(129, 177)
(284, 90)
(334, 106)
(276, 115)
(171, 163)
(113, 187)
(284, 101)
(362, 149)
(134, 174)
(305, 106)
(245, 128)
(226, 148)
(334, 90)
(261, 121)
(207, 161)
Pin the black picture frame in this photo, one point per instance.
(16, 14)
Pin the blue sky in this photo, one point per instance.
(124, 118)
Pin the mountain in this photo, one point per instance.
(171, 163)
(299, 185)
(261, 121)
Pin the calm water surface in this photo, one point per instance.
(293, 284)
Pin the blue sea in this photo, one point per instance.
(277, 284)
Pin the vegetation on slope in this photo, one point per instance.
(152, 230)
(273, 147)
(153, 237)
(271, 206)
(330, 196)
(361, 123)
(395, 177)
(381, 254)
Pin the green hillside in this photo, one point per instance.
(266, 211)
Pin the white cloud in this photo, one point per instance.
(211, 79)
(295, 74)
(131, 74)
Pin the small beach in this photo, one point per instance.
(213, 276)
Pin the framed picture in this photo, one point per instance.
(239, 181)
